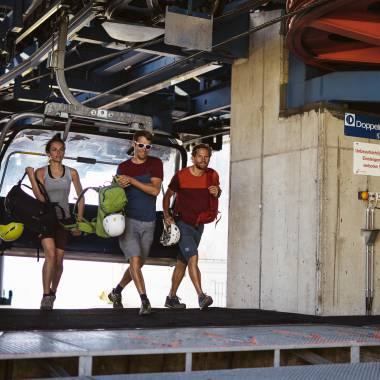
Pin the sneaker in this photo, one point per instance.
(204, 301)
(52, 295)
(173, 303)
(145, 308)
(115, 298)
(47, 303)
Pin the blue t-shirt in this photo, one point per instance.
(141, 206)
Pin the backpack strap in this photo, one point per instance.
(43, 191)
(47, 199)
(210, 178)
(86, 226)
(22, 178)
(81, 195)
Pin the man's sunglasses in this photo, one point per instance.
(141, 145)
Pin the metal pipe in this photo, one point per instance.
(60, 65)
(367, 297)
(32, 7)
(1, 275)
(369, 261)
(81, 19)
(372, 261)
(39, 22)
(13, 120)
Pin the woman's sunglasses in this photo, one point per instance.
(142, 146)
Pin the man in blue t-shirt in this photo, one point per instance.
(141, 177)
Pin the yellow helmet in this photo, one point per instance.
(11, 231)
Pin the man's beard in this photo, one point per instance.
(201, 166)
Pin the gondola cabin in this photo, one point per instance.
(96, 142)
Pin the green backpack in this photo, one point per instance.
(112, 199)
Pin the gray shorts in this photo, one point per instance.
(137, 238)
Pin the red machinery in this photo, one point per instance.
(338, 35)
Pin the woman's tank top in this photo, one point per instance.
(58, 190)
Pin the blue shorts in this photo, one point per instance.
(190, 239)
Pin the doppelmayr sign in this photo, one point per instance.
(362, 126)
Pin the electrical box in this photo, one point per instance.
(188, 31)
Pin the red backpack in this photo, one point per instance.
(211, 214)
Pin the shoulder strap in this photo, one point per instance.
(210, 177)
(46, 196)
(81, 195)
(43, 190)
(39, 184)
(22, 178)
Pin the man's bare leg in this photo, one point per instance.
(177, 277)
(195, 274)
(135, 272)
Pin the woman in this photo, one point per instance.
(57, 179)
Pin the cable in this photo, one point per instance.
(183, 60)
(51, 74)
(95, 60)
(200, 53)
(138, 46)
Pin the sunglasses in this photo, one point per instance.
(143, 146)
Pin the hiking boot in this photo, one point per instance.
(47, 303)
(115, 298)
(204, 301)
(145, 308)
(173, 303)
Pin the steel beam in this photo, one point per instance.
(156, 75)
(208, 102)
(82, 18)
(122, 63)
(346, 86)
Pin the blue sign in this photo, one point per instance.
(364, 126)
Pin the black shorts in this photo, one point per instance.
(60, 235)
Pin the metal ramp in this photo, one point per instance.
(362, 371)
(189, 343)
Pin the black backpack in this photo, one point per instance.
(39, 217)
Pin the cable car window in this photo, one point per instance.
(94, 157)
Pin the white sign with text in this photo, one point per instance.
(366, 159)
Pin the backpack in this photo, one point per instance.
(112, 199)
(211, 214)
(39, 217)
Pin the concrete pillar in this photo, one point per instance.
(294, 221)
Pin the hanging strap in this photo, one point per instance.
(81, 195)
(210, 183)
(83, 225)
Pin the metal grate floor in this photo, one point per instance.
(363, 371)
(89, 344)
(131, 342)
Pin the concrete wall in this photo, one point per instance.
(294, 221)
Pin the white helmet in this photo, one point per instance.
(114, 224)
(170, 235)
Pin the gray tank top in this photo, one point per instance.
(58, 190)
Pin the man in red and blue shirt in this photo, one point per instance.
(193, 187)
(141, 177)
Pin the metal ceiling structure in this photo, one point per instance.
(118, 55)
(114, 56)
